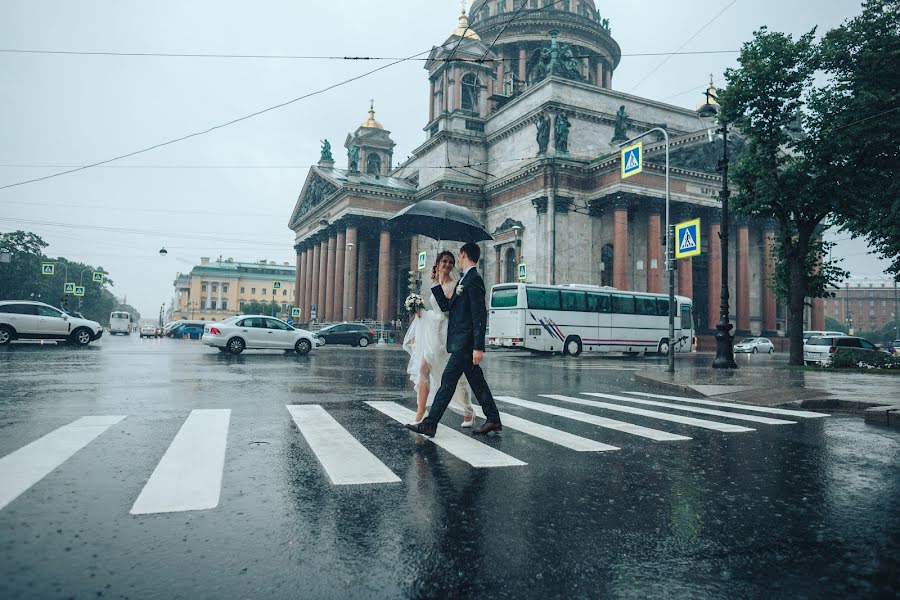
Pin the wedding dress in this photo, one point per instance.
(427, 339)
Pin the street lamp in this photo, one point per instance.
(517, 229)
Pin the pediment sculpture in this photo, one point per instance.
(317, 190)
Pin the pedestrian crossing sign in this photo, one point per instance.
(422, 259)
(97, 276)
(48, 268)
(79, 290)
(69, 288)
(687, 239)
(632, 160)
(276, 285)
(523, 272)
(295, 313)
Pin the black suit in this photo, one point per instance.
(465, 333)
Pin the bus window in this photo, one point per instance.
(622, 304)
(645, 306)
(598, 303)
(662, 305)
(505, 297)
(541, 299)
(574, 301)
(686, 322)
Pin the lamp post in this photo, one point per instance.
(518, 231)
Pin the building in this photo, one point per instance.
(213, 291)
(526, 134)
(864, 306)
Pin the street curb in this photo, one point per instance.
(669, 386)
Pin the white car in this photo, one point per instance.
(150, 331)
(24, 320)
(755, 345)
(251, 332)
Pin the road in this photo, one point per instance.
(163, 469)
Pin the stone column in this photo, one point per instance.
(501, 72)
(523, 62)
(457, 88)
(600, 73)
(498, 255)
(817, 314)
(307, 283)
(298, 284)
(654, 252)
(742, 277)
(350, 274)
(330, 277)
(340, 251)
(321, 308)
(384, 276)
(715, 273)
(770, 323)
(362, 280)
(431, 104)
(445, 94)
(620, 246)
(219, 297)
(315, 275)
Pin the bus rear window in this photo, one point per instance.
(539, 299)
(505, 298)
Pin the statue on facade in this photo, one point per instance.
(326, 151)
(543, 133)
(621, 133)
(556, 60)
(353, 158)
(562, 133)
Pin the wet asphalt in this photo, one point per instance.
(810, 510)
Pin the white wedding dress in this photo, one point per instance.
(427, 339)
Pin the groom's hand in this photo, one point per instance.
(477, 357)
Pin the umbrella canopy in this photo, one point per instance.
(441, 221)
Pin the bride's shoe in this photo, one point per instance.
(469, 421)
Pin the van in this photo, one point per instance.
(120, 322)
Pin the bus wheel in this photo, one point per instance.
(572, 346)
(663, 349)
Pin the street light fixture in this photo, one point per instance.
(517, 229)
(163, 251)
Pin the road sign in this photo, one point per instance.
(276, 285)
(296, 312)
(48, 268)
(687, 239)
(79, 290)
(632, 160)
(97, 276)
(69, 288)
(422, 258)
(523, 272)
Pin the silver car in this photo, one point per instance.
(237, 334)
(820, 350)
(755, 345)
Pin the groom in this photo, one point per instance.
(465, 343)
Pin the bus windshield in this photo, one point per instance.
(505, 297)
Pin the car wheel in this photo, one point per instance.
(81, 337)
(6, 335)
(302, 347)
(663, 348)
(755, 350)
(363, 342)
(572, 346)
(236, 345)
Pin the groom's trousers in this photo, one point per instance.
(460, 364)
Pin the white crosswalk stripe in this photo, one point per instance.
(803, 414)
(549, 434)
(461, 446)
(189, 476)
(646, 432)
(345, 460)
(703, 424)
(694, 409)
(26, 466)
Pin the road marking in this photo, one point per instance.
(653, 434)
(694, 409)
(345, 460)
(461, 446)
(713, 425)
(805, 414)
(189, 476)
(29, 464)
(549, 434)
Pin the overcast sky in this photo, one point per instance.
(230, 192)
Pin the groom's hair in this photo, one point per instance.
(472, 251)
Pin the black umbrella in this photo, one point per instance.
(441, 221)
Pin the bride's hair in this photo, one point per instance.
(441, 255)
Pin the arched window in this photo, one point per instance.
(511, 267)
(373, 164)
(606, 265)
(470, 92)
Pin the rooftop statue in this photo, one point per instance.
(326, 151)
(353, 158)
(557, 60)
(621, 133)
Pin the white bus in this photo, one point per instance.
(119, 322)
(586, 318)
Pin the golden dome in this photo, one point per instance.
(371, 123)
(711, 94)
(463, 29)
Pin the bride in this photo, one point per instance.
(426, 342)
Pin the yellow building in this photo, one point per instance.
(213, 291)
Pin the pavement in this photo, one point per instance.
(164, 469)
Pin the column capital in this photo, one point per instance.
(540, 205)
(563, 204)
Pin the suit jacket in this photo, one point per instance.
(468, 313)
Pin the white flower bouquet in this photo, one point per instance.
(414, 303)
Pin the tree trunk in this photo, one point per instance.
(795, 310)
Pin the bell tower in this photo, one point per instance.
(374, 147)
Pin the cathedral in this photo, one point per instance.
(526, 133)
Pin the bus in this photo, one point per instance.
(575, 318)
(119, 322)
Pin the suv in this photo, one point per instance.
(819, 350)
(23, 320)
(812, 334)
(355, 334)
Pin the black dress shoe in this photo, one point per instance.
(424, 429)
(487, 428)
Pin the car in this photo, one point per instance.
(354, 334)
(894, 347)
(26, 320)
(192, 329)
(811, 334)
(257, 332)
(149, 331)
(755, 345)
(820, 350)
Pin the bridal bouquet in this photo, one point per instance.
(414, 303)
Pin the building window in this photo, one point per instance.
(224, 304)
(240, 306)
(284, 292)
(373, 164)
(470, 92)
(606, 265)
(215, 287)
(264, 291)
(212, 305)
(511, 266)
(252, 290)
(203, 288)
(224, 288)
(242, 290)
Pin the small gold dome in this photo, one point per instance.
(463, 29)
(371, 123)
(711, 95)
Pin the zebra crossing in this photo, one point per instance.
(189, 474)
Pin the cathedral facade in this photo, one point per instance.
(526, 134)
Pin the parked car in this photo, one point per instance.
(354, 334)
(894, 347)
(755, 345)
(190, 328)
(24, 320)
(820, 350)
(257, 332)
(149, 331)
(810, 334)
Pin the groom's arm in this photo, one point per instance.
(478, 310)
(438, 292)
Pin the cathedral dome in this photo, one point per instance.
(464, 30)
(371, 123)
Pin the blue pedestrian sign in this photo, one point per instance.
(79, 290)
(422, 258)
(48, 268)
(97, 276)
(632, 160)
(295, 312)
(523, 272)
(687, 239)
(276, 285)
(69, 288)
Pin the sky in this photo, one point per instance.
(230, 192)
